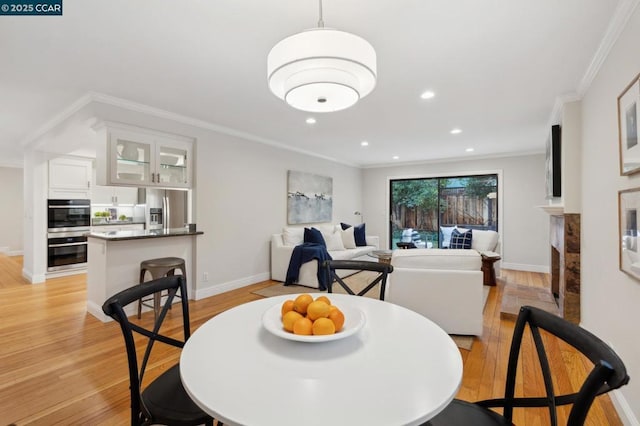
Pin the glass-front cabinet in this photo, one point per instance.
(141, 157)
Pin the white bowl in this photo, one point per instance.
(354, 320)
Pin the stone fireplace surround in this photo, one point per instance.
(565, 264)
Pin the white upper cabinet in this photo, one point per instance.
(140, 157)
(70, 178)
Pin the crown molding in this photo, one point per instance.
(96, 97)
(617, 24)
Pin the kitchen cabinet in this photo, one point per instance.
(143, 158)
(114, 195)
(70, 178)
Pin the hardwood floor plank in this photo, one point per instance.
(60, 365)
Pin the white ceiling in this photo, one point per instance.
(496, 66)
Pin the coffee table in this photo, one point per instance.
(383, 256)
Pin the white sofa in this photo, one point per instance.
(282, 246)
(443, 285)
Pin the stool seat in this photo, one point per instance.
(158, 268)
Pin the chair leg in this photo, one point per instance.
(142, 272)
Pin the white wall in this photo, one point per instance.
(523, 188)
(241, 198)
(610, 299)
(11, 215)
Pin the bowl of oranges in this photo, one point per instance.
(306, 318)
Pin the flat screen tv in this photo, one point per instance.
(553, 163)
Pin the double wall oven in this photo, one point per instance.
(68, 223)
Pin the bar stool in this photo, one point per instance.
(159, 268)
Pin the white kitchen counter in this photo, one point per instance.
(114, 260)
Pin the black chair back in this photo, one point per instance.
(383, 270)
(608, 371)
(115, 308)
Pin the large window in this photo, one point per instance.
(418, 208)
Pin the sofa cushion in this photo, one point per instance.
(461, 240)
(333, 240)
(358, 233)
(313, 235)
(469, 260)
(484, 240)
(293, 236)
(348, 239)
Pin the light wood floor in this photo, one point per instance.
(60, 365)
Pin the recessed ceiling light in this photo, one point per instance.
(469, 149)
(455, 131)
(427, 95)
(364, 143)
(395, 157)
(311, 120)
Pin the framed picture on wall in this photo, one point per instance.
(628, 208)
(628, 114)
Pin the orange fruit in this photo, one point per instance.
(324, 299)
(323, 326)
(302, 326)
(289, 319)
(301, 303)
(337, 317)
(286, 307)
(317, 309)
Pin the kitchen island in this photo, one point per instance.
(114, 260)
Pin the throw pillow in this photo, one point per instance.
(461, 240)
(334, 241)
(292, 236)
(312, 235)
(446, 235)
(348, 240)
(358, 233)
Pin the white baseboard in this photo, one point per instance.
(216, 289)
(7, 252)
(525, 267)
(33, 278)
(96, 311)
(622, 407)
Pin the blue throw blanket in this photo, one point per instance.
(302, 254)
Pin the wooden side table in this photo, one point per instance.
(488, 272)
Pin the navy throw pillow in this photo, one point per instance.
(313, 235)
(358, 234)
(461, 240)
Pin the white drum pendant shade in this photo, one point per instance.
(322, 70)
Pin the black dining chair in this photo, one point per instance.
(383, 270)
(164, 400)
(608, 373)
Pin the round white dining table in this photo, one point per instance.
(400, 368)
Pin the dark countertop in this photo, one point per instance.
(142, 234)
(117, 222)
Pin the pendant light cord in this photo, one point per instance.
(320, 21)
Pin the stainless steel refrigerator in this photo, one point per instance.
(167, 208)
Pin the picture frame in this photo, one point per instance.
(628, 131)
(628, 210)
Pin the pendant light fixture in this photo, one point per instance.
(322, 69)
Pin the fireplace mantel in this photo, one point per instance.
(553, 209)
